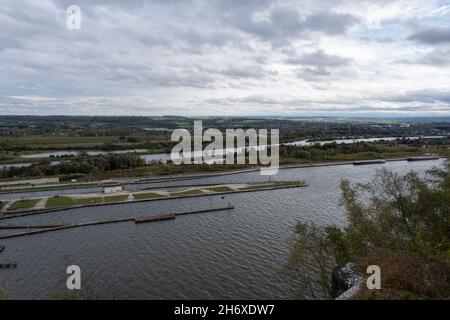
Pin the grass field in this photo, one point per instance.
(149, 195)
(86, 201)
(61, 186)
(60, 139)
(67, 201)
(57, 202)
(220, 189)
(192, 192)
(116, 198)
(24, 204)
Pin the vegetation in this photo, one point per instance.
(401, 223)
(220, 189)
(60, 186)
(84, 165)
(87, 201)
(68, 201)
(148, 195)
(192, 192)
(350, 152)
(115, 198)
(24, 204)
(57, 202)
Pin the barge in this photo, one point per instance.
(367, 162)
(422, 158)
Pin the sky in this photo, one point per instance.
(226, 58)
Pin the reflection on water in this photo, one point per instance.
(223, 255)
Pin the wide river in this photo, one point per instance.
(236, 254)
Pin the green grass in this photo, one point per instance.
(259, 186)
(24, 204)
(86, 201)
(153, 151)
(60, 139)
(192, 192)
(50, 188)
(116, 198)
(220, 189)
(57, 202)
(286, 184)
(149, 195)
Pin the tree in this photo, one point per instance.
(393, 216)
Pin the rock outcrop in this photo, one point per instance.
(345, 282)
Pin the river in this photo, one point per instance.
(163, 157)
(236, 254)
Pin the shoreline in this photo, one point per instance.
(193, 176)
(24, 213)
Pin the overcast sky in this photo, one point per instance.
(230, 57)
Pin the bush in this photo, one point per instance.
(405, 277)
(392, 221)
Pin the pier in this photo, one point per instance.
(159, 217)
(137, 220)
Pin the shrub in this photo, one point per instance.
(392, 221)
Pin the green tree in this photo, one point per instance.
(393, 216)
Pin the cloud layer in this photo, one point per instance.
(226, 57)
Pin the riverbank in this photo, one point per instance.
(30, 206)
(197, 175)
(248, 245)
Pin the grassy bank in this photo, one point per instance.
(95, 199)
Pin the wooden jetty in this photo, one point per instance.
(367, 162)
(20, 226)
(8, 265)
(153, 218)
(158, 217)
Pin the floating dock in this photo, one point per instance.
(19, 226)
(367, 162)
(422, 158)
(8, 265)
(152, 218)
(158, 217)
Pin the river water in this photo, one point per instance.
(236, 254)
(163, 157)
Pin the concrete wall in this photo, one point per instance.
(112, 189)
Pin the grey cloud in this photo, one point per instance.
(330, 22)
(431, 36)
(286, 23)
(436, 58)
(423, 96)
(319, 58)
(190, 50)
(254, 71)
(320, 71)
